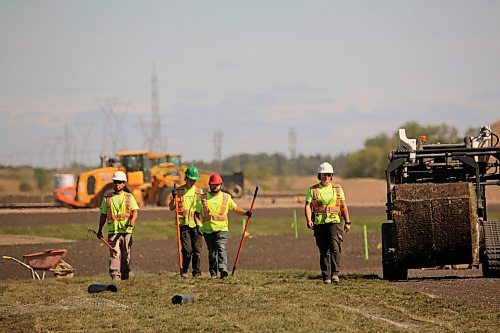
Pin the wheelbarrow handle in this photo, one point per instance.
(34, 274)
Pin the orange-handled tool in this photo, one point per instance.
(103, 240)
(179, 247)
(244, 232)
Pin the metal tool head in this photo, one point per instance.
(91, 233)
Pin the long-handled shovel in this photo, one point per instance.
(90, 232)
(179, 247)
(244, 232)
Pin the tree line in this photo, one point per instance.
(370, 161)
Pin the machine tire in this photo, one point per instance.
(392, 270)
(490, 251)
(164, 196)
(235, 191)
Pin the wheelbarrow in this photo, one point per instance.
(49, 260)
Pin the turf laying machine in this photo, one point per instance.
(436, 204)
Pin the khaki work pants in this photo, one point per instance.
(119, 261)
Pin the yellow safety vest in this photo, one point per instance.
(123, 213)
(186, 214)
(319, 208)
(117, 221)
(214, 221)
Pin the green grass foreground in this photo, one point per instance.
(251, 301)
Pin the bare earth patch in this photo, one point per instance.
(90, 258)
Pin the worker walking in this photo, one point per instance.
(212, 210)
(191, 234)
(325, 202)
(119, 211)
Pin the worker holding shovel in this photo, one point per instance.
(191, 232)
(119, 211)
(212, 210)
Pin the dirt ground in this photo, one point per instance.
(89, 258)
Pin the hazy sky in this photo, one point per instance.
(335, 71)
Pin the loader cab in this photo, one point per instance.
(170, 163)
(175, 159)
(156, 159)
(136, 164)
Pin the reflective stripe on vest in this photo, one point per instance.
(110, 217)
(221, 216)
(320, 209)
(180, 207)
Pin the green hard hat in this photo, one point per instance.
(192, 173)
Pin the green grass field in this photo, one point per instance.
(166, 229)
(252, 301)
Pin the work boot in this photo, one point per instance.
(224, 274)
(335, 279)
(184, 275)
(197, 275)
(327, 281)
(115, 278)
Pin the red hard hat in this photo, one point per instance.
(215, 179)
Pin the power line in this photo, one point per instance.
(157, 142)
(113, 134)
(67, 147)
(152, 130)
(84, 131)
(292, 142)
(218, 146)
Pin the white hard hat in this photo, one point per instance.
(325, 167)
(120, 176)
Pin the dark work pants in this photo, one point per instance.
(217, 251)
(191, 249)
(328, 242)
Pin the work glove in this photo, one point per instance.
(174, 193)
(99, 235)
(199, 230)
(248, 213)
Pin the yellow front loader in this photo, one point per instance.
(150, 178)
(93, 185)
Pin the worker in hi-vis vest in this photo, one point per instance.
(212, 210)
(191, 235)
(325, 203)
(119, 212)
